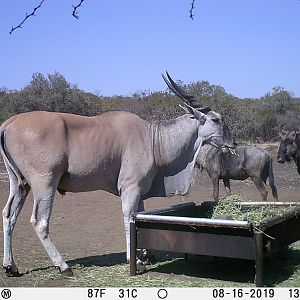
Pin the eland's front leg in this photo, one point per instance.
(146, 253)
(130, 197)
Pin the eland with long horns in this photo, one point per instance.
(116, 151)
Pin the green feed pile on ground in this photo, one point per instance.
(227, 207)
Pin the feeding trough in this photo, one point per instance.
(184, 228)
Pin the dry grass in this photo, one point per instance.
(227, 207)
(281, 270)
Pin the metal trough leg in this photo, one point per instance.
(133, 245)
(186, 257)
(259, 259)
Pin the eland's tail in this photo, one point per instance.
(9, 165)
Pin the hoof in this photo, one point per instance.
(147, 254)
(12, 272)
(67, 273)
(147, 257)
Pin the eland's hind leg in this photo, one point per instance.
(10, 213)
(43, 202)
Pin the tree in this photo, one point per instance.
(75, 13)
(54, 93)
(266, 123)
(279, 99)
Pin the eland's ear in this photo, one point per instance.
(190, 110)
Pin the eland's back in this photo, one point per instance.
(84, 152)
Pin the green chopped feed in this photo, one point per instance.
(227, 208)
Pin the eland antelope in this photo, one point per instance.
(116, 151)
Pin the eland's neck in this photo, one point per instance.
(175, 140)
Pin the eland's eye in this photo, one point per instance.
(215, 120)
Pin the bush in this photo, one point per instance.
(248, 119)
(53, 94)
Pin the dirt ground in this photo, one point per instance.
(90, 224)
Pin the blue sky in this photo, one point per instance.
(122, 46)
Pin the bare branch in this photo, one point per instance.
(26, 17)
(74, 13)
(192, 9)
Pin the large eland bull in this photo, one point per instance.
(289, 147)
(117, 152)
